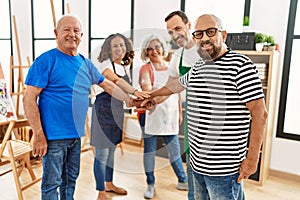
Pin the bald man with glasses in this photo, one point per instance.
(225, 107)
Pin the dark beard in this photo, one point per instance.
(208, 55)
(204, 54)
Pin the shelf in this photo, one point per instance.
(256, 53)
(271, 59)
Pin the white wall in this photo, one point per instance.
(267, 16)
(232, 21)
(271, 16)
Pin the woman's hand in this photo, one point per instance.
(141, 94)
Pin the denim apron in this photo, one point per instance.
(107, 119)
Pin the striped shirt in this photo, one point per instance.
(218, 119)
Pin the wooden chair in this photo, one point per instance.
(132, 132)
(17, 152)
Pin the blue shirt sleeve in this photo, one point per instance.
(38, 74)
(97, 77)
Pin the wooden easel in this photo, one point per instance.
(53, 13)
(13, 149)
(20, 82)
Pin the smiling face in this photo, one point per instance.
(155, 51)
(118, 49)
(68, 35)
(178, 30)
(212, 47)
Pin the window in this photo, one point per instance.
(43, 25)
(289, 107)
(5, 36)
(113, 16)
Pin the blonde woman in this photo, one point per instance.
(163, 119)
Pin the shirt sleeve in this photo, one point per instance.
(184, 80)
(248, 83)
(173, 69)
(38, 74)
(103, 65)
(97, 77)
(146, 69)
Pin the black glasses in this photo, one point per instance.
(156, 47)
(210, 32)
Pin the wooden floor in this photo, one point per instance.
(129, 174)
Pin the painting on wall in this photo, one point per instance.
(7, 110)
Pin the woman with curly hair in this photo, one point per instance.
(115, 61)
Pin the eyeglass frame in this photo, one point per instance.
(156, 48)
(202, 31)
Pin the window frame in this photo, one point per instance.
(286, 72)
(92, 39)
(34, 38)
(10, 40)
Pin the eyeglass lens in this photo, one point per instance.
(156, 47)
(210, 32)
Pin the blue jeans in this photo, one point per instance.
(190, 178)
(218, 187)
(104, 166)
(60, 169)
(173, 148)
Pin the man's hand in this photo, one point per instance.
(142, 103)
(40, 144)
(148, 103)
(247, 168)
(141, 94)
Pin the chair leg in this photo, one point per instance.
(29, 166)
(15, 171)
(121, 148)
(21, 167)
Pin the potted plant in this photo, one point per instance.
(259, 39)
(270, 42)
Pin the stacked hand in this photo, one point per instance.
(143, 102)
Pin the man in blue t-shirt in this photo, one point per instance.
(56, 103)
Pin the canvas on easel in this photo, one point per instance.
(7, 110)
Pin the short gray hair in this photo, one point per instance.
(146, 43)
(65, 16)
